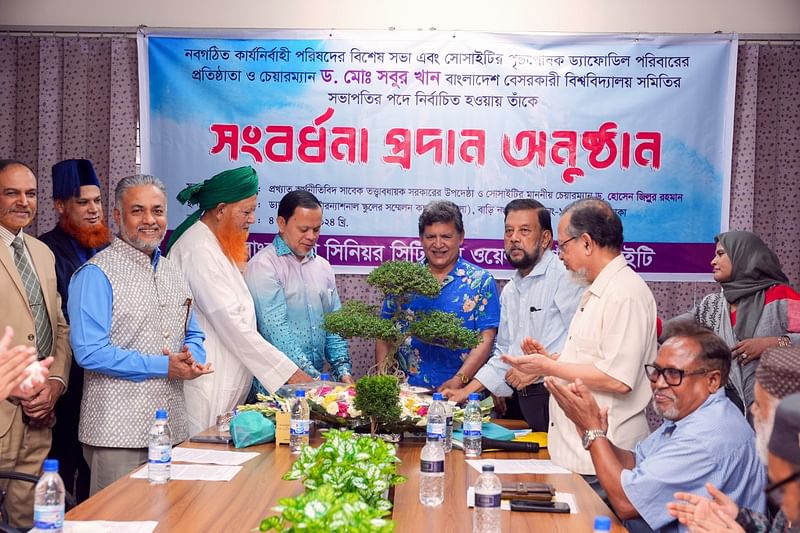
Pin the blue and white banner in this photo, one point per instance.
(378, 124)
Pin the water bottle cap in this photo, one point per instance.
(487, 468)
(161, 414)
(437, 396)
(474, 396)
(324, 377)
(50, 465)
(602, 523)
(299, 393)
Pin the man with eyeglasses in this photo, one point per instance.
(610, 338)
(777, 377)
(703, 437)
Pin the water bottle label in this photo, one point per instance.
(487, 500)
(472, 428)
(48, 517)
(436, 430)
(431, 467)
(160, 454)
(299, 427)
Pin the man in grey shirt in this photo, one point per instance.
(538, 302)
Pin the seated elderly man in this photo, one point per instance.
(777, 377)
(703, 437)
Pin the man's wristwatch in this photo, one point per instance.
(464, 379)
(590, 435)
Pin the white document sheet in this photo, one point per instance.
(195, 472)
(107, 526)
(217, 457)
(518, 466)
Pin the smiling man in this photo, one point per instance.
(135, 334)
(80, 233)
(32, 307)
(702, 439)
(467, 291)
(293, 288)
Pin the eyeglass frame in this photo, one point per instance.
(772, 487)
(561, 245)
(660, 372)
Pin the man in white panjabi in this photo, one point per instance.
(210, 247)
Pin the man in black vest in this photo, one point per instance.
(79, 234)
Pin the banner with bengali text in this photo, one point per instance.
(378, 124)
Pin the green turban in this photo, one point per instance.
(229, 186)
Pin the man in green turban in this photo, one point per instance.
(210, 247)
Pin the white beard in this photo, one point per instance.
(763, 432)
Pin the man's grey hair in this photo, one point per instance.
(137, 180)
(596, 218)
(442, 211)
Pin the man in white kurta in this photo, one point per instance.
(211, 251)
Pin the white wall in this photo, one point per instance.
(677, 16)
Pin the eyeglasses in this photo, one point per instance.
(772, 487)
(561, 245)
(672, 376)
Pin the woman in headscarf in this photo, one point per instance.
(755, 310)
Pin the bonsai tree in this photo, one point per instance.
(378, 397)
(402, 280)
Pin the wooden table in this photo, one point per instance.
(240, 504)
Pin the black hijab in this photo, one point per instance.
(755, 268)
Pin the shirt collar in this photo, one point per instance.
(449, 277)
(712, 398)
(9, 237)
(281, 248)
(601, 282)
(540, 268)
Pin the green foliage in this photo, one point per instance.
(443, 329)
(378, 397)
(325, 510)
(403, 277)
(349, 463)
(357, 319)
(400, 280)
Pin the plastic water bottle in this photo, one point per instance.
(299, 422)
(473, 424)
(431, 464)
(159, 449)
(48, 506)
(437, 418)
(448, 430)
(487, 502)
(431, 473)
(602, 524)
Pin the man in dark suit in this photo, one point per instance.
(79, 234)
(32, 307)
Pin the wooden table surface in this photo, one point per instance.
(240, 504)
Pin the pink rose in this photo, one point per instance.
(422, 410)
(342, 408)
(323, 391)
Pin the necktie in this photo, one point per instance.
(44, 333)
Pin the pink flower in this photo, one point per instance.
(342, 408)
(323, 391)
(351, 391)
(422, 410)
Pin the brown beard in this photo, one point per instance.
(94, 236)
(233, 241)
